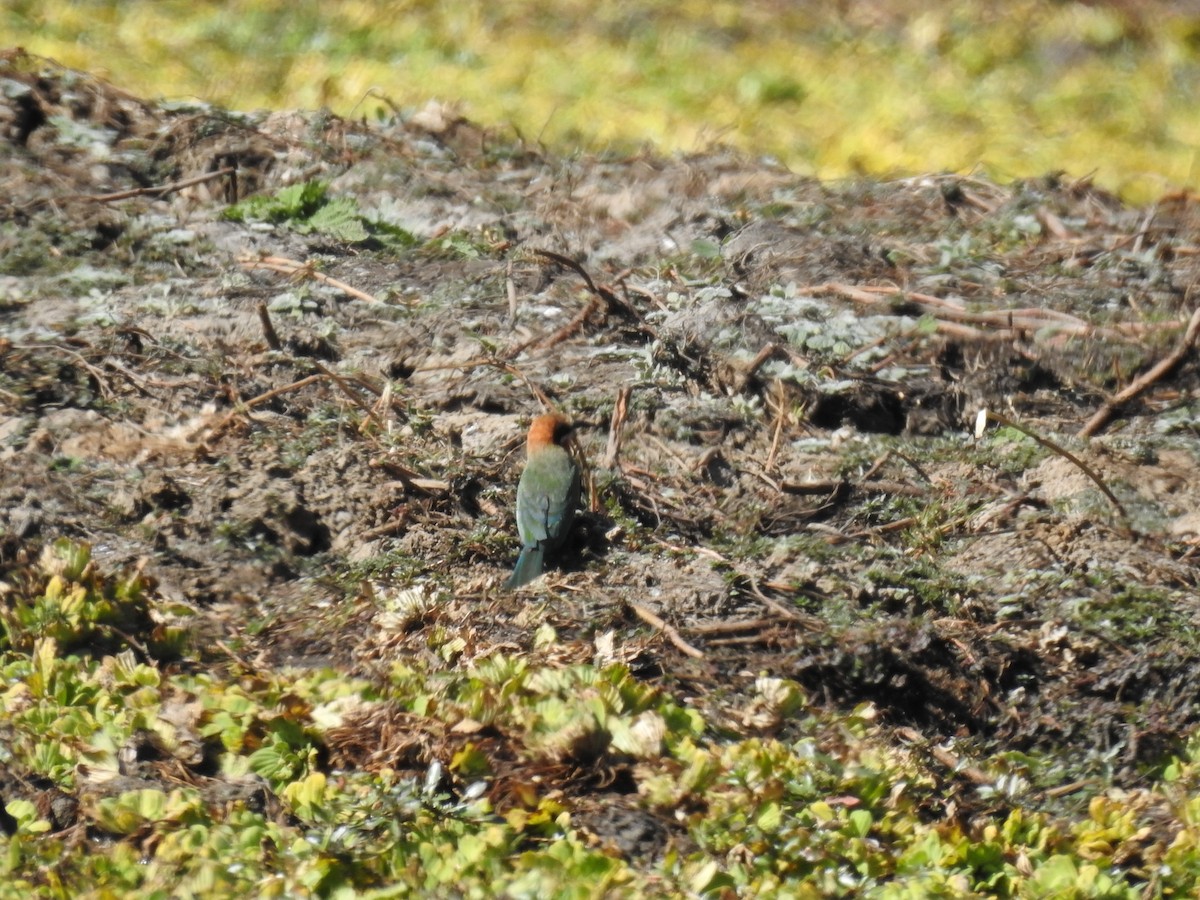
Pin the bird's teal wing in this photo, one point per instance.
(546, 498)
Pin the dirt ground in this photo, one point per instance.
(776, 381)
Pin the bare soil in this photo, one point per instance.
(776, 382)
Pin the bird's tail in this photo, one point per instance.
(529, 567)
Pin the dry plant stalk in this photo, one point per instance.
(781, 420)
(616, 428)
(269, 333)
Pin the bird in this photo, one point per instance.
(546, 496)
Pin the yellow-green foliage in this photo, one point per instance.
(1020, 87)
(777, 799)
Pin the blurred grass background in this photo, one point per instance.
(1012, 88)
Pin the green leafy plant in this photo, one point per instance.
(76, 607)
(307, 208)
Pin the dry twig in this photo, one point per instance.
(767, 352)
(952, 319)
(837, 485)
(354, 398)
(102, 384)
(298, 271)
(616, 428)
(409, 479)
(510, 288)
(612, 302)
(987, 414)
(1161, 369)
(160, 190)
(245, 405)
(264, 318)
(781, 420)
(566, 332)
(668, 631)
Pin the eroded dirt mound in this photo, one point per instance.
(295, 416)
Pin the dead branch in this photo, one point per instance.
(915, 466)
(952, 319)
(245, 405)
(141, 382)
(987, 414)
(1052, 224)
(668, 631)
(387, 529)
(161, 190)
(567, 331)
(612, 302)
(836, 485)
(409, 479)
(732, 626)
(1144, 228)
(102, 384)
(344, 387)
(811, 623)
(954, 763)
(1140, 385)
(766, 353)
(298, 271)
(888, 528)
(706, 552)
(879, 463)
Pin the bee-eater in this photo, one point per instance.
(546, 496)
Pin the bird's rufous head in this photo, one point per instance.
(547, 430)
